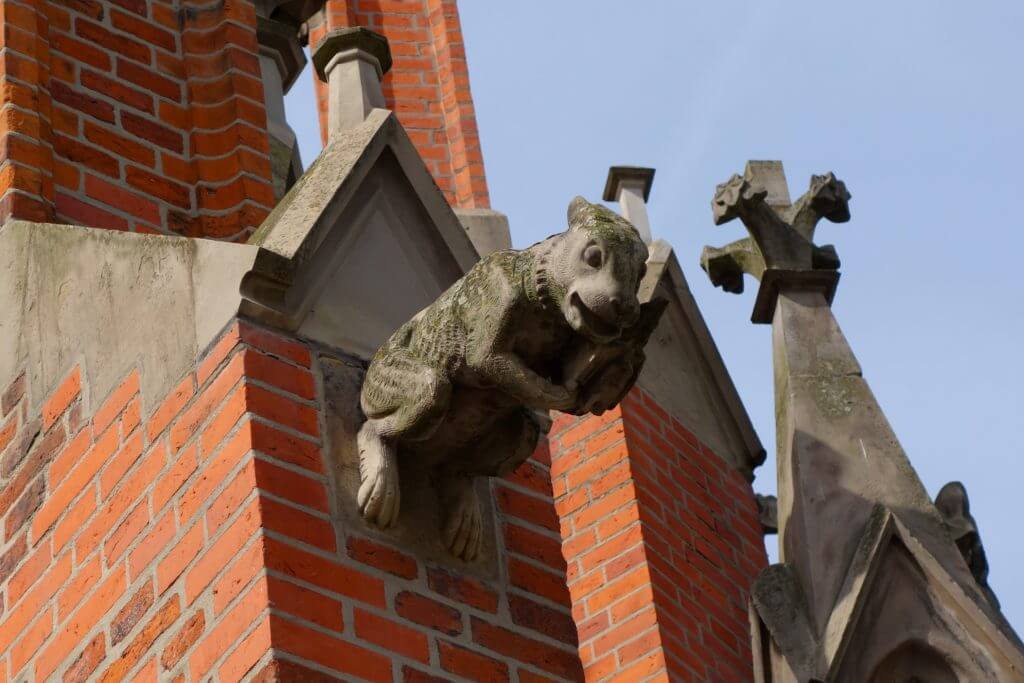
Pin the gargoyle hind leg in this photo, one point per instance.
(405, 400)
(509, 443)
(462, 532)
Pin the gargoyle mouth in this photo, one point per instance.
(591, 323)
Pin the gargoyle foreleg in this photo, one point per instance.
(508, 372)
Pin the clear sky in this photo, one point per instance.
(918, 105)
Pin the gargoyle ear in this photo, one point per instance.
(578, 209)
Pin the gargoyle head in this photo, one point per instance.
(830, 198)
(731, 197)
(595, 270)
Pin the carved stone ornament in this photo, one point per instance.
(781, 244)
(557, 326)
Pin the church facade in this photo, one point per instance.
(187, 314)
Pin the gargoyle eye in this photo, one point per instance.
(593, 256)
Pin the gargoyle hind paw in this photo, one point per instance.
(379, 496)
(463, 528)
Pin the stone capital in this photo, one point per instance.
(345, 44)
(634, 176)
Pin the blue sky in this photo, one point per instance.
(917, 105)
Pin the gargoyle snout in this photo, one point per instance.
(627, 309)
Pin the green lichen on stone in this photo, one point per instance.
(834, 394)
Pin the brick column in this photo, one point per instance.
(662, 540)
(134, 115)
(427, 87)
(199, 537)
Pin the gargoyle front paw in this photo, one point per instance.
(379, 494)
(463, 527)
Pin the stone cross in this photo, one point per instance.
(781, 234)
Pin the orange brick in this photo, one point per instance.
(290, 485)
(214, 472)
(218, 640)
(31, 640)
(463, 589)
(186, 549)
(88, 661)
(120, 463)
(278, 374)
(564, 663)
(220, 553)
(186, 636)
(61, 398)
(382, 557)
(30, 570)
(170, 482)
(226, 418)
(89, 572)
(306, 604)
(231, 498)
(282, 410)
(160, 534)
(275, 345)
(132, 488)
(17, 619)
(73, 484)
(286, 447)
(243, 656)
(190, 420)
(77, 516)
(392, 636)
(84, 619)
(297, 524)
(138, 648)
(238, 575)
(125, 533)
(69, 456)
(329, 651)
(218, 353)
(325, 573)
(170, 407)
(475, 666)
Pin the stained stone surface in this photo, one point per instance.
(417, 529)
(557, 326)
(872, 584)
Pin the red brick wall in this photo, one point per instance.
(427, 87)
(662, 540)
(137, 115)
(195, 538)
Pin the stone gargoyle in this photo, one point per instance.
(557, 326)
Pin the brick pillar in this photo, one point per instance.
(134, 115)
(427, 87)
(662, 540)
(200, 537)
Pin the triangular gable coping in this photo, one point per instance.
(289, 269)
(664, 271)
(883, 528)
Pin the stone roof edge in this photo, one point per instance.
(663, 264)
(293, 232)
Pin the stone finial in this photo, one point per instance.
(630, 186)
(352, 62)
(780, 249)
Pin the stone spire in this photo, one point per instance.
(871, 585)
